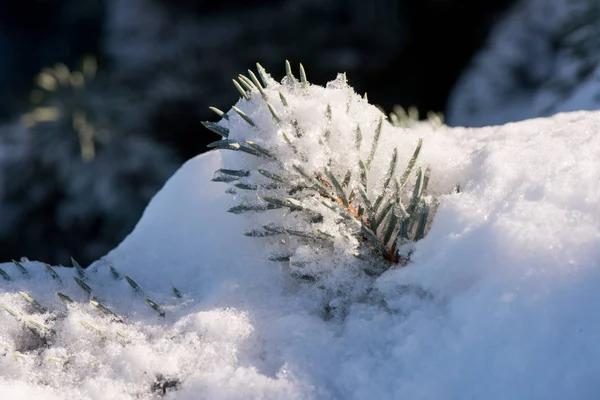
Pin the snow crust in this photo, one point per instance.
(499, 302)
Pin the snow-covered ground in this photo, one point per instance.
(541, 59)
(499, 302)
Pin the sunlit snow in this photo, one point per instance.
(500, 300)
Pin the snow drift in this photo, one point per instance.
(541, 59)
(498, 302)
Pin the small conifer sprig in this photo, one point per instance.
(81, 303)
(313, 157)
(40, 319)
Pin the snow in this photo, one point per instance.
(498, 302)
(540, 59)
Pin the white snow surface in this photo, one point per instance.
(542, 58)
(500, 300)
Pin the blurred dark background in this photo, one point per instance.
(72, 188)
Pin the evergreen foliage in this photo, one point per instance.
(318, 203)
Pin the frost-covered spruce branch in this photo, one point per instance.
(312, 156)
(43, 305)
(80, 277)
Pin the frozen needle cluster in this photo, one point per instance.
(339, 181)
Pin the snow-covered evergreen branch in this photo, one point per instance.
(312, 156)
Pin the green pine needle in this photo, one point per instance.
(288, 72)
(242, 114)
(220, 113)
(270, 175)
(414, 200)
(240, 89)
(364, 173)
(114, 273)
(246, 82)
(357, 137)
(273, 113)
(338, 187)
(255, 146)
(91, 327)
(136, 288)
(4, 275)
(176, 292)
(411, 164)
(22, 269)
(279, 257)
(375, 143)
(83, 285)
(420, 233)
(16, 315)
(105, 310)
(32, 301)
(78, 268)
(257, 84)
(219, 130)
(155, 307)
(283, 99)
(245, 186)
(252, 207)
(264, 76)
(52, 273)
(64, 298)
(303, 76)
